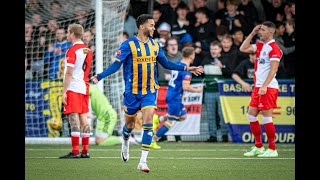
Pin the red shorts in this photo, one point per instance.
(76, 103)
(265, 102)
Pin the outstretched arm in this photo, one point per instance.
(110, 70)
(121, 56)
(162, 59)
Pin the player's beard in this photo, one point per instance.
(148, 33)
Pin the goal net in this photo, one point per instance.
(46, 22)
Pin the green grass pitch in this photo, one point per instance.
(186, 160)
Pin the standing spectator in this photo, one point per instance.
(55, 11)
(221, 10)
(204, 30)
(194, 5)
(212, 102)
(259, 6)
(173, 54)
(245, 70)
(157, 16)
(181, 25)
(55, 54)
(249, 11)
(130, 25)
(266, 88)
(237, 39)
(233, 18)
(170, 14)
(229, 57)
(88, 39)
(274, 10)
(279, 32)
(289, 39)
(75, 94)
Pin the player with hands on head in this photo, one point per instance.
(139, 56)
(265, 92)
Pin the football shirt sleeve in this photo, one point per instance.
(71, 58)
(123, 52)
(275, 54)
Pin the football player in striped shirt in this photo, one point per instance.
(139, 56)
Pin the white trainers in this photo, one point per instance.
(125, 150)
(143, 167)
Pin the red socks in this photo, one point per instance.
(256, 131)
(85, 142)
(271, 133)
(75, 142)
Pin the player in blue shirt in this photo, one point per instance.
(179, 82)
(139, 56)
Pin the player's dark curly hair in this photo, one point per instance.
(142, 19)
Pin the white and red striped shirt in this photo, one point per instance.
(79, 56)
(265, 52)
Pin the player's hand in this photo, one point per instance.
(195, 70)
(256, 29)
(262, 90)
(64, 98)
(200, 89)
(246, 87)
(95, 79)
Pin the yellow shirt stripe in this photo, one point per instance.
(151, 49)
(135, 67)
(144, 69)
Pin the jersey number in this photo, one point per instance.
(174, 75)
(85, 64)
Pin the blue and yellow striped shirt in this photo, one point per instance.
(140, 66)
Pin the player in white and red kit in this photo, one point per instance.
(265, 93)
(76, 91)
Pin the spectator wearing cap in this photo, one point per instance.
(164, 31)
(185, 41)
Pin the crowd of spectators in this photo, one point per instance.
(190, 22)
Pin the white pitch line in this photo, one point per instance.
(178, 158)
(166, 150)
